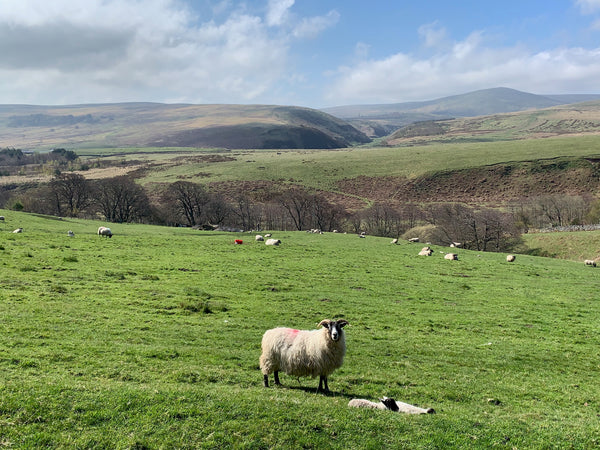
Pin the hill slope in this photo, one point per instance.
(155, 124)
(379, 120)
(573, 119)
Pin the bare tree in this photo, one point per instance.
(71, 193)
(297, 202)
(189, 201)
(120, 199)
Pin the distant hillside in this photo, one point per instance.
(154, 124)
(385, 118)
(572, 119)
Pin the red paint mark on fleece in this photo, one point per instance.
(293, 332)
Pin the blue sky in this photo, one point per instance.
(314, 53)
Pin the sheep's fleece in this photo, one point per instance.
(304, 353)
(391, 404)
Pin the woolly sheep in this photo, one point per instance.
(426, 251)
(394, 241)
(18, 230)
(272, 242)
(510, 258)
(414, 239)
(70, 233)
(104, 231)
(391, 404)
(590, 262)
(451, 256)
(268, 235)
(304, 353)
(258, 237)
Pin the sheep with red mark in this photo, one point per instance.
(304, 353)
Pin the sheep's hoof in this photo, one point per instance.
(266, 380)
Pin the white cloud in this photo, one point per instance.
(313, 26)
(468, 66)
(278, 12)
(144, 50)
(588, 6)
(432, 34)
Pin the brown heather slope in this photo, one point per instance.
(490, 185)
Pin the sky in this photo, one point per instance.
(314, 53)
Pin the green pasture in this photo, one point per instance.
(575, 245)
(322, 169)
(151, 339)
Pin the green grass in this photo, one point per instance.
(151, 339)
(322, 169)
(576, 245)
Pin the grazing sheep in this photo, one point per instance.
(590, 262)
(394, 241)
(104, 231)
(258, 237)
(414, 239)
(451, 256)
(456, 244)
(18, 230)
(426, 251)
(510, 258)
(391, 404)
(268, 235)
(1, 218)
(304, 353)
(272, 242)
(70, 233)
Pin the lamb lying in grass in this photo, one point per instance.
(391, 404)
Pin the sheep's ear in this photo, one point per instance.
(325, 323)
(342, 323)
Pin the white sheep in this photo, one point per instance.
(426, 251)
(510, 258)
(70, 233)
(391, 404)
(104, 231)
(394, 241)
(272, 242)
(268, 235)
(18, 230)
(590, 262)
(304, 353)
(413, 239)
(258, 237)
(451, 256)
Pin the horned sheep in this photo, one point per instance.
(104, 231)
(304, 353)
(391, 404)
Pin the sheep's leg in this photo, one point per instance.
(323, 386)
(266, 380)
(277, 378)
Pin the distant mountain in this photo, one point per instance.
(161, 125)
(388, 117)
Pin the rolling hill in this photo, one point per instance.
(572, 119)
(162, 125)
(380, 120)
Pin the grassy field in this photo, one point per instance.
(322, 169)
(576, 245)
(151, 339)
